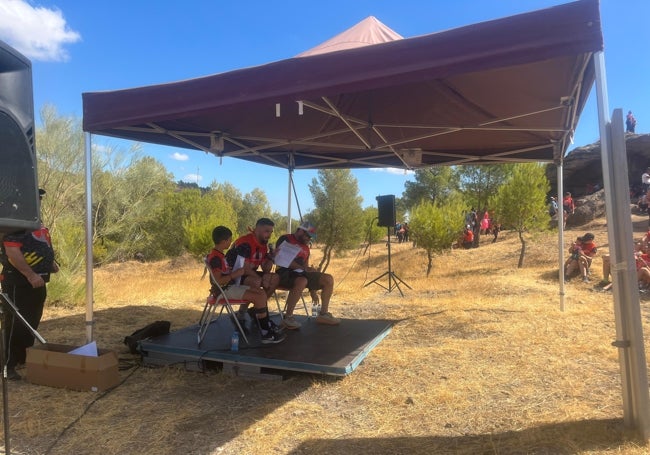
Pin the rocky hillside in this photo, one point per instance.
(588, 208)
(583, 167)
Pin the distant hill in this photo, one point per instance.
(583, 166)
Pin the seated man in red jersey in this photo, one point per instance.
(298, 275)
(253, 250)
(224, 276)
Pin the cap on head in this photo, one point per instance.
(309, 229)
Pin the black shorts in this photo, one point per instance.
(287, 278)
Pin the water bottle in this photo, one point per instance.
(315, 310)
(234, 341)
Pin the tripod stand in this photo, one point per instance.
(393, 280)
(6, 304)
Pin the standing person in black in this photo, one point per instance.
(630, 122)
(27, 261)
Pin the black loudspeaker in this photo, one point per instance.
(19, 204)
(386, 208)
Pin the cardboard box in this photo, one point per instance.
(50, 364)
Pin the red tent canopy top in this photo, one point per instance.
(506, 90)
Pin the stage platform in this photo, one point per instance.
(314, 348)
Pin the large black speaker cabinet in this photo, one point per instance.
(19, 206)
(386, 209)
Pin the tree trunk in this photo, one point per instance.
(325, 261)
(523, 250)
(430, 263)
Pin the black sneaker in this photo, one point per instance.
(272, 336)
(275, 327)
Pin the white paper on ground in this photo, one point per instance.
(89, 350)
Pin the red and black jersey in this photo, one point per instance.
(36, 247)
(217, 261)
(303, 256)
(250, 249)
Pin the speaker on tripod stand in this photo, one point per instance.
(386, 211)
(386, 218)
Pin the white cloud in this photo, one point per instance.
(180, 156)
(192, 178)
(393, 170)
(37, 32)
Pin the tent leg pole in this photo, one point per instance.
(560, 228)
(89, 239)
(629, 330)
(289, 201)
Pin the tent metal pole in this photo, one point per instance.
(289, 200)
(560, 228)
(89, 238)
(629, 331)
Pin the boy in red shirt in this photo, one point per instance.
(225, 277)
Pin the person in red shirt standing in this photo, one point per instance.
(568, 206)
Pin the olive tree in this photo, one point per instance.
(520, 203)
(435, 226)
(337, 214)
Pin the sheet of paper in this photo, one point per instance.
(89, 350)
(286, 253)
(239, 263)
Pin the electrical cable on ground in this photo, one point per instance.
(85, 411)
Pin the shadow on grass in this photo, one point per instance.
(167, 410)
(113, 324)
(556, 439)
(187, 412)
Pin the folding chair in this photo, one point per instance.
(281, 310)
(211, 306)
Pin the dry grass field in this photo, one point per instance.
(480, 361)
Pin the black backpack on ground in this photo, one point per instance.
(154, 329)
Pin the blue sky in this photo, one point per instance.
(85, 46)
